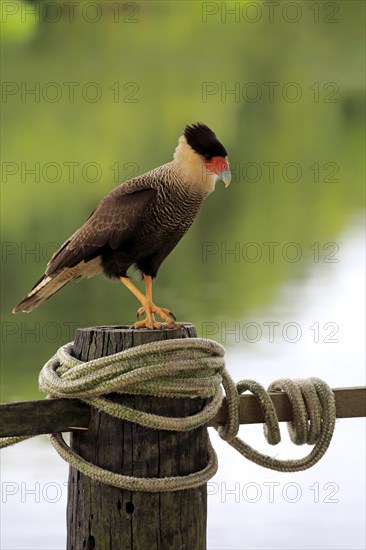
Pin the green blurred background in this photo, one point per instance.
(163, 57)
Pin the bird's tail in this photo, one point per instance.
(44, 288)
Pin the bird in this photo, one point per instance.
(138, 224)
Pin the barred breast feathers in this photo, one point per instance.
(186, 174)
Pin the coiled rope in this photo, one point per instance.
(161, 369)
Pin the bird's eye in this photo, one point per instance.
(207, 157)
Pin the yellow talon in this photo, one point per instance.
(145, 323)
(149, 308)
(149, 322)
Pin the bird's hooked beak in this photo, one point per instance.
(220, 167)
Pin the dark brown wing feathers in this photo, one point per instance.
(111, 223)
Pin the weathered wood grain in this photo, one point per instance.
(350, 403)
(43, 417)
(104, 517)
(65, 415)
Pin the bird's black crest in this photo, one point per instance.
(203, 141)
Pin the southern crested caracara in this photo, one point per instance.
(139, 223)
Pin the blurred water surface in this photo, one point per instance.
(248, 506)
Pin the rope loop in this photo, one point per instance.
(314, 417)
(161, 369)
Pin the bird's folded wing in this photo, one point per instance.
(112, 222)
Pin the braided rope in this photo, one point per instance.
(162, 369)
(315, 427)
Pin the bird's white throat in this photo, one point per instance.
(192, 167)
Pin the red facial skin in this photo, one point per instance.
(217, 164)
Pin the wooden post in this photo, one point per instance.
(102, 517)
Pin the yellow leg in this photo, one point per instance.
(161, 311)
(148, 287)
(132, 288)
(148, 307)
